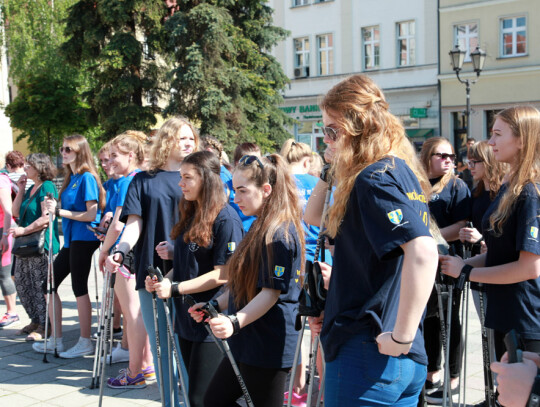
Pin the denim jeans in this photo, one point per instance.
(148, 318)
(361, 376)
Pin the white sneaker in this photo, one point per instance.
(40, 346)
(119, 354)
(81, 348)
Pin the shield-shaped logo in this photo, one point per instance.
(231, 246)
(395, 216)
(534, 232)
(279, 270)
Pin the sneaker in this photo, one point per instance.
(432, 386)
(149, 373)
(124, 381)
(297, 400)
(39, 347)
(82, 347)
(119, 354)
(8, 319)
(117, 334)
(437, 396)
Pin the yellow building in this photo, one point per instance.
(509, 32)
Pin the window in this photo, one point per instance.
(301, 52)
(148, 53)
(371, 47)
(406, 44)
(513, 36)
(466, 36)
(325, 47)
(296, 3)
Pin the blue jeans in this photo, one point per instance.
(361, 376)
(148, 318)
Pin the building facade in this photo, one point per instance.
(394, 42)
(509, 32)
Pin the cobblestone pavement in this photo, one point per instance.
(25, 380)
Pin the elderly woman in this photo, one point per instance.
(30, 272)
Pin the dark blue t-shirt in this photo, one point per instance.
(480, 205)
(305, 184)
(81, 189)
(514, 306)
(270, 341)
(191, 260)
(153, 197)
(386, 209)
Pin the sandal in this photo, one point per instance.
(27, 329)
(36, 335)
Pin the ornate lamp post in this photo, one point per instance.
(457, 56)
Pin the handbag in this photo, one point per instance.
(32, 244)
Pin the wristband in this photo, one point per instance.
(122, 254)
(534, 398)
(214, 303)
(324, 173)
(235, 323)
(464, 276)
(57, 212)
(399, 342)
(175, 290)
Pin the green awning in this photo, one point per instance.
(419, 133)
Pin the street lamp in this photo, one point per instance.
(457, 56)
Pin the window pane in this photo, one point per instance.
(461, 29)
(402, 29)
(411, 28)
(473, 43)
(473, 28)
(520, 22)
(376, 34)
(507, 44)
(330, 40)
(507, 23)
(376, 55)
(367, 34)
(330, 61)
(521, 42)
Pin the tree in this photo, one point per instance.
(47, 105)
(107, 38)
(224, 77)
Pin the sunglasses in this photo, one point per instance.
(67, 150)
(444, 156)
(249, 159)
(330, 133)
(472, 163)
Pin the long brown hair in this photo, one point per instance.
(279, 210)
(197, 217)
(293, 151)
(368, 133)
(428, 149)
(494, 171)
(524, 121)
(84, 162)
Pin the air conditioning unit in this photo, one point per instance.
(301, 72)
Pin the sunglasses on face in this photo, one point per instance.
(249, 159)
(472, 163)
(330, 133)
(66, 150)
(444, 156)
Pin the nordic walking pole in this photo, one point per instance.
(49, 278)
(488, 377)
(109, 330)
(100, 334)
(96, 282)
(158, 347)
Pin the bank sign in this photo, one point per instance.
(308, 111)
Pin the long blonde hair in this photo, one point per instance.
(131, 141)
(494, 171)
(368, 133)
(84, 162)
(293, 151)
(524, 122)
(428, 148)
(279, 210)
(166, 140)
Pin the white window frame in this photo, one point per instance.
(305, 52)
(464, 39)
(514, 31)
(371, 43)
(329, 52)
(410, 39)
(299, 3)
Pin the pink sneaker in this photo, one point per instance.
(297, 400)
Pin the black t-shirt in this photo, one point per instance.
(386, 209)
(451, 205)
(480, 205)
(270, 341)
(514, 306)
(191, 260)
(155, 198)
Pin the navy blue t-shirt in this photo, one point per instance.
(386, 209)
(153, 197)
(190, 261)
(514, 306)
(270, 341)
(480, 205)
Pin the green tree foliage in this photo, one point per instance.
(47, 105)
(106, 38)
(224, 77)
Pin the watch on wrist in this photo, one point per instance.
(324, 173)
(464, 276)
(235, 323)
(175, 290)
(121, 253)
(57, 212)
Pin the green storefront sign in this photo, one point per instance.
(418, 112)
